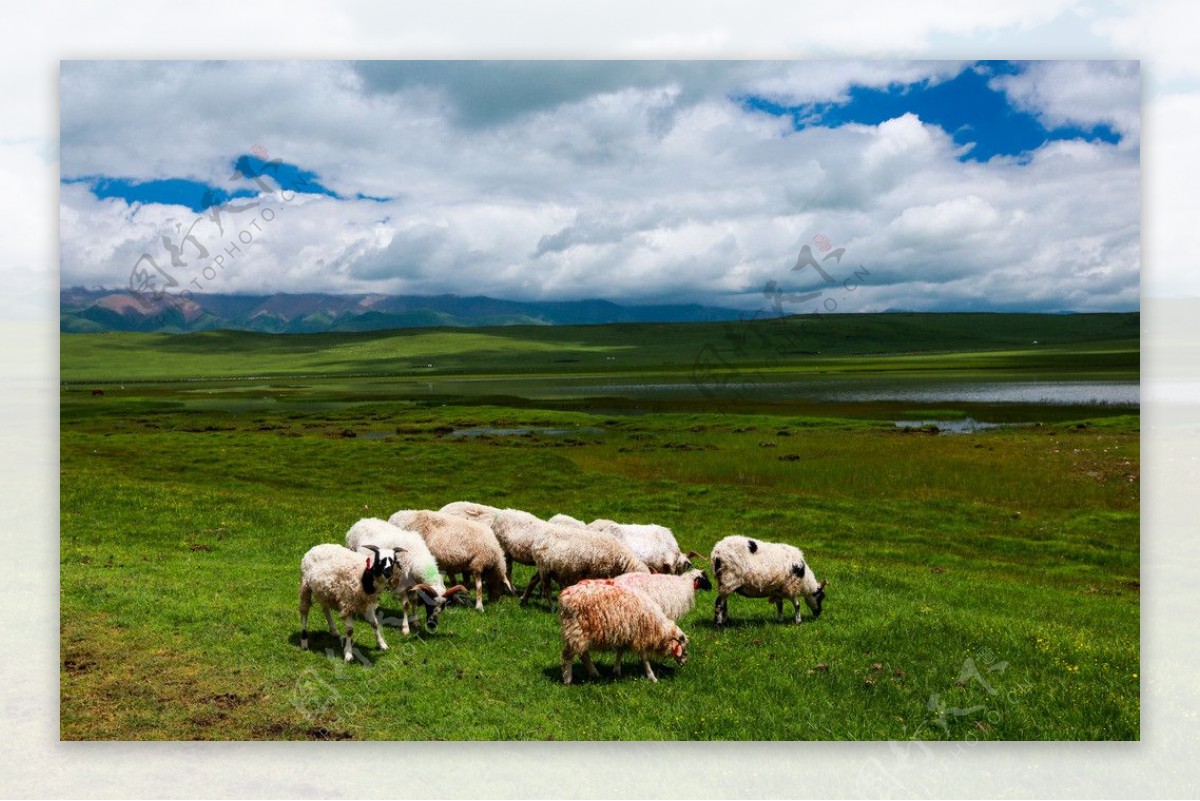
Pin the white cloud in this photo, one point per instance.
(1083, 93)
(647, 190)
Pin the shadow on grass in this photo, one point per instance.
(320, 639)
(631, 670)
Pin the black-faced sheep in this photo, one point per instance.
(757, 569)
(345, 580)
(416, 572)
(599, 616)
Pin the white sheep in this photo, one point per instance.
(757, 569)
(567, 520)
(568, 555)
(655, 545)
(416, 571)
(460, 546)
(599, 616)
(347, 580)
(516, 530)
(675, 595)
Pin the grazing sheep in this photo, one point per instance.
(757, 569)
(416, 571)
(599, 616)
(675, 595)
(568, 555)
(516, 530)
(654, 545)
(460, 546)
(345, 580)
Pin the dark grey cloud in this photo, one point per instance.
(481, 93)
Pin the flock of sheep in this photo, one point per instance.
(624, 585)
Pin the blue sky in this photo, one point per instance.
(963, 185)
(977, 115)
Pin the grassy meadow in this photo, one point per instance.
(981, 586)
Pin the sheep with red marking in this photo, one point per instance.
(349, 581)
(601, 616)
(416, 571)
(460, 546)
(757, 569)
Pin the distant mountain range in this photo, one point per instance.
(86, 311)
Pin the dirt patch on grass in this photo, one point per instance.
(118, 679)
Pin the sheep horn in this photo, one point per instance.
(823, 584)
(371, 548)
(694, 555)
(457, 588)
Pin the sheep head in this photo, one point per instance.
(378, 566)
(816, 600)
(433, 602)
(700, 580)
(676, 646)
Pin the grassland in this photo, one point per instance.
(187, 503)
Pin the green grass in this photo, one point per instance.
(185, 509)
(809, 344)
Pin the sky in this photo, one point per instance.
(919, 185)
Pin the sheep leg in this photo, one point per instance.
(348, 620)
(796, 603)
(617, 662)
(405, 606)
(329, 620)
(586, 659)
(305, 605)
(779, 610)
(479, 591)
(533, 582)
(374, 621)
(649, 671)
(508, 563)
(721, 612)
(568, 660)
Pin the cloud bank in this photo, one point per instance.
(632, 181)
